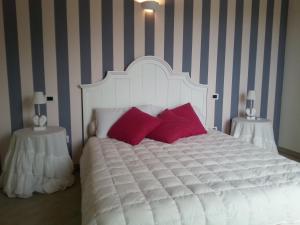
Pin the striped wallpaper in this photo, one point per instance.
(55, 45)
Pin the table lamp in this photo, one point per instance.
(39, 120)
(250, 112)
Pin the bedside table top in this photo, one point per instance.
(30, 132)
(245, 120)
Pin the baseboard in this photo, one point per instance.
(289, 152)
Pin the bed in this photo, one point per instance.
(210, 179)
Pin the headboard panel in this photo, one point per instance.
(147, 80)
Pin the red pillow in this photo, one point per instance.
(133, 126)
(186, 111)
(171, 128)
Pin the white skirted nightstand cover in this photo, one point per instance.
(258, 132)
(37, 161)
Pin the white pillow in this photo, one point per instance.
(153, 110)
(199, 114)
(92, 128)
(106, 117)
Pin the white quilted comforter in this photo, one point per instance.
(211, 179)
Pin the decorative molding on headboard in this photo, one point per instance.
(147, 80)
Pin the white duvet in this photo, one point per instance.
(211, 179)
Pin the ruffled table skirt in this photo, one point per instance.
(37, 162)
(258, 132)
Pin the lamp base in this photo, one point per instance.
(39, 128)
(250, 114)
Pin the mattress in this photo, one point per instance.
(211, 179)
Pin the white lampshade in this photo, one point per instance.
(150, 5)
(39, 98)
(251, 95)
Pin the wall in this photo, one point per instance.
(290, 110)
(54, 45)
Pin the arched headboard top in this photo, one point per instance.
(147, 80)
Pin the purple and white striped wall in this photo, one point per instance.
(54, 45)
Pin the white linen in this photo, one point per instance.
(37, 161)
(258, 132)
(200, 115)
(106, 117)
(211, 179)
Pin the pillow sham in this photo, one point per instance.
(199, 114)
(106, 117)
(92, 127)
(186, 111)
(171, 128)
(133, 126)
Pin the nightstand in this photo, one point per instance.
(37, 161)
(258, 132)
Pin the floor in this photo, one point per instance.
(289, 154)
(60, 208)
(290, 157)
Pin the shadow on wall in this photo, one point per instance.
(4, 144)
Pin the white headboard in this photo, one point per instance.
(147, 80)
